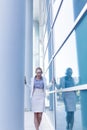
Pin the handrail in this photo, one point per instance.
(70, 89)
(83, 11)
(57, 13)
(53, 26)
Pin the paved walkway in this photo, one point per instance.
(45, 125)
(48, 119)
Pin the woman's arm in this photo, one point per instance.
(47, 86)
(62, 83)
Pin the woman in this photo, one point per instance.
(69, 98)
(38, 89)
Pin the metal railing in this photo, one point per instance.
(75, 88)
(69, 89)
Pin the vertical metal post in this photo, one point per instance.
(53, 65)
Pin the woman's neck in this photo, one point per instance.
(37, 77)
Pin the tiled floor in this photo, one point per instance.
(45, 125)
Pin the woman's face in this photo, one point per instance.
(69, 72)
(38, 73)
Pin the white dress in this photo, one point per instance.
(38, 96)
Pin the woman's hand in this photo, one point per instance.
(54, 81)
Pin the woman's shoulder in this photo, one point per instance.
(62, 78)
(44, 78)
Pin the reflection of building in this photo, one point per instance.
(31, 34)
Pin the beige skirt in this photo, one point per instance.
(38, 100)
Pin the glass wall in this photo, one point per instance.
(65, 46)
(67, 57)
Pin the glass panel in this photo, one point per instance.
(74, 55)
(61, 114)
(63, 23)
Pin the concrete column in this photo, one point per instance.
(81, 37)
(12, 35)
(28, 49)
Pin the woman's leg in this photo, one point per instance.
(39, 117)
(36, 121)
(72, 119)
(67, 119)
